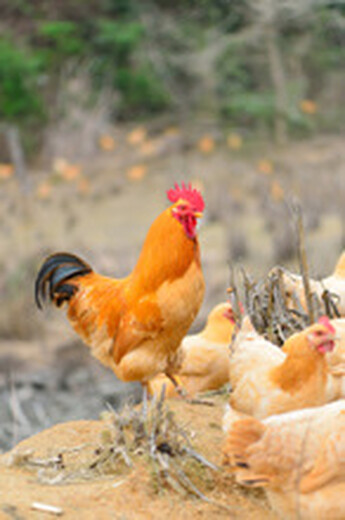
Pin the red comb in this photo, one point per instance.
(188, 193)
(324, 320)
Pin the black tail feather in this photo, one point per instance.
(64, 293)
(55, 271)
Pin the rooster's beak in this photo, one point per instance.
(198, 214)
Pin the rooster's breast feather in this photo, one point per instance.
(142, 322)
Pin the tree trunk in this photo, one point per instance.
(278, 78)
(17, 156)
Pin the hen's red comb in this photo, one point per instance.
(188, 193)
(324, 320)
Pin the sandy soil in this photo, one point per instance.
(130, 494)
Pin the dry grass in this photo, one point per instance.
(148, 436)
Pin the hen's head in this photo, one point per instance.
(221, 311)
(220, 324)
(229, 313)
(321, 335)
(188, 206)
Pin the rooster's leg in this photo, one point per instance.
(179, 389)
(182, 393)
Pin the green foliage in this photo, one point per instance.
(235, 71)
(109, 38)
(116, 45)
(19, 72)
(120, 8)
(142, 92)
(328, 41)
(245, 98)
(250, 108)
(117, 40)
(61, 40)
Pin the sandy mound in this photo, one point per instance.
(68, 467)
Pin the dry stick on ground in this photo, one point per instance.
(265, 301)
(265, 304)
(234, 297)
(249, 286)
(156, 436)
(270, 311)
(303, 263)
(330, 305)
(314, 305)
(235, 304)
(280, 319)
(161, 440)
(284, 321)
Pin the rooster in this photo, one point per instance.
(266, 380)
(205, 356)
(297, 457)
(135, 325)
(334, 284)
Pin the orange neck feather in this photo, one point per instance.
(301, 363)
(166, 254)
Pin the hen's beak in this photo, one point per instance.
(326, 344)
(229, 315)
(198, 214)
(330, 337)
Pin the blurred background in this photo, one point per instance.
(103, 106)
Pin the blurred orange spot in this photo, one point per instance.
(171, 130)
(234, 141)
(6, 171)
(277, 192)
(206, 144)
(59, 164)
(137, 136)
(84, 186)
(148, 148)
(71, 172)
(136, 173)
(106, 143)
(44, 190)
(67, 171)
(308, 106)
(265, 166)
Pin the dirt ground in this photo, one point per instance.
(132, 494)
